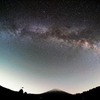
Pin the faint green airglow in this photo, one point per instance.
(39, 69)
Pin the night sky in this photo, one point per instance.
(50, 44)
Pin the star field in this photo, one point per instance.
(50, 44)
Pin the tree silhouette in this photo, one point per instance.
(21, 90)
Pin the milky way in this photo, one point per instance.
(76, 25)
(50, 44)
(69, 35)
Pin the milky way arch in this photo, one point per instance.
(70, 35)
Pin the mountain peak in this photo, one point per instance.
(55, 89)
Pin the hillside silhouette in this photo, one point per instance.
(92, 94)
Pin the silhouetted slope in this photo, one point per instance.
(7, 93)
(12, 95)
(93, 94)
(56, 94)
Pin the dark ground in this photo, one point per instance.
(93, 94)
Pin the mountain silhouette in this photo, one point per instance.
(92, 94)
(56, 94)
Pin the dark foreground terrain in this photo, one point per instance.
(7, 94)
